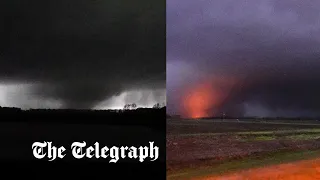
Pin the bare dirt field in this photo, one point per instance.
(195, 144)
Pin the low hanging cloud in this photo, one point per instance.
(142, 98)
(82, 52)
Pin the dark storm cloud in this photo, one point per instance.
(82, 51)
(271, 47)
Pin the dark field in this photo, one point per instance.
(20, 129)
(17, 137)
(202, 143)
(219, 126)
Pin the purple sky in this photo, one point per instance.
(272, 47)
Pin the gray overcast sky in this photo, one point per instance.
(259, 57)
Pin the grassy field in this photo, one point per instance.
(204, 147)
(215, 126)
(301, 134)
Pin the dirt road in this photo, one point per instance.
(302, 170)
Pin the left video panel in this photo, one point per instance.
(83, 88)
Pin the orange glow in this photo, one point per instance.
(303, 170)
(200, 100)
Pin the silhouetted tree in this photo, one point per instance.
(127, 107)
(130, 106)
(157, 106)
(134, 106)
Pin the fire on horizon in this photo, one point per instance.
(207, 98)
(198, 100)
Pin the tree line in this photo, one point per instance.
(134, 106)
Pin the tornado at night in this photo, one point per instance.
(79, 81)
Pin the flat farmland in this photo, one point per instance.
(199, 144)
(221, 126)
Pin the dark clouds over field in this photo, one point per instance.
(262, 57)
(82, 52)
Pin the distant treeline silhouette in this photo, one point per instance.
(153, 117)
